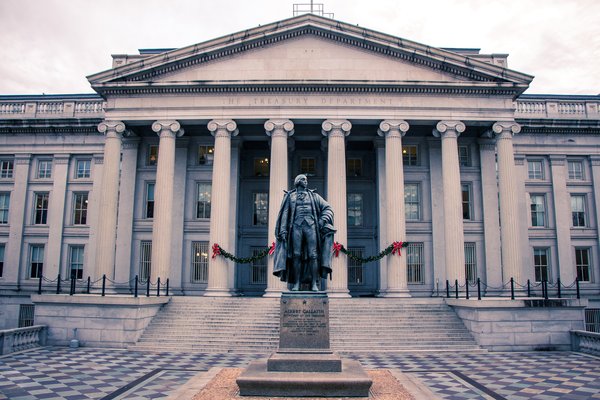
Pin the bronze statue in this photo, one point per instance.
(304, 232)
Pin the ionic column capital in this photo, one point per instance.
(223, 128)
(506, 130)
(336, 127)
(279, 127)
(393, 128)
(450, 129)
(167, 128)
(112, 129)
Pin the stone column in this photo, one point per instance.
(509, 212)
(437, 214)
(162, 228)
(109, 198)
(491, 225)
(393, 130)
(279, 130)
(453, 218)
(336, 131)
(562, 215)
(56, 218)
(218, 267)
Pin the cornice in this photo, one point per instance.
(50, 129)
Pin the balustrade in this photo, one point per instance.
(585, 342)
(18, 339)
(12, 108)
(54, 107)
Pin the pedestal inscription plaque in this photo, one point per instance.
(304, 321)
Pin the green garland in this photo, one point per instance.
(387, 251)
(244, 260)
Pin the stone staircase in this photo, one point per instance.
(358, 325)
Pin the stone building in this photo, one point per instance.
(181, 149)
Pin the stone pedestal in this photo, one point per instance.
(304, 364)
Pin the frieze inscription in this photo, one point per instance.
(309, 101)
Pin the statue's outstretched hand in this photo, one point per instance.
(281, 236)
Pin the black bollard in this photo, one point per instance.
(103, 285)
(577, 287)
(456, 290)
(158, 287)
(135, 287)
(40, 285)
(478, 288)
(467, 288)
(528, 288)
(72, 290)
(546, 290)
(447, 289)
(558, 286)
(512, 289)
(89, 284)
(58, 284)
(148, 287)
(167, 286)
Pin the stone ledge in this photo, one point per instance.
(95, 300)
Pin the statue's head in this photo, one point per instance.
(301, 180)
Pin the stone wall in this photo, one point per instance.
(9, 309)
(111, 321)
(521, 325)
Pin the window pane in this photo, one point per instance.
(203, 202)
(470, 262)
(44, 169)
(36, 261)
(76, 262)
(260, 215)
(410, 155)
(534, 169)
(308, 166)
(261, 166)
(354, 167)
(80, 204)
(578, 210)
(41, 209)
(414, 263)
(145, 259)
(258, 275)
(466, 201)
(355, 209)
(538, 210)
(464, 157)
(355, 268)
(575, 170)
(83, 169)
(6, 168)
(540, 262)
(149, 200)
(1, 259)
(206, 155)
(152, 155)
(200, 262)
(582, 263)
(412, 202)
(4, 206)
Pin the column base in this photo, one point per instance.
(218, 293)
(338, 293)
(273, 293)
(396, 293)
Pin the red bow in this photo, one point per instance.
(272, 249)
(337, 247)
(216, 250)
(397, 248)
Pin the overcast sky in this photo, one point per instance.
(50, 46)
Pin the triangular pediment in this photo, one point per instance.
(308, 50)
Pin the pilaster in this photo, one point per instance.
(336, 131)
(220, 220)
(56, 217)
(562, 215)
(453, 219)
(437, 212)
(162, 228)
(393, 131)
(595, 167)
(279, 130)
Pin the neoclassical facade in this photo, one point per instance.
(182, 149)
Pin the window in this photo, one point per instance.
(355, 268)
(200, 262)
(80, 205)
(578, 210)
(535, 169)
(582, 263)
(36, 260)
(83, 169)
(41, 209)
(541, 263)
(4, 206)
(206, 155)
(538, 209)
(412, 207)
(260, 213)
(6, 168)
(410, 155)
(466, 201)
(355, 209)
(145, 259)
(575, 170)
(470, 262)
(149, 200)
(464, 156)
(76, 262)
(26, 314)
(44, 169)
(203, 202)
(354, 167)
(308, 166)
(152, 158)
(258, 268)
(261, 166)
(1, 259)
(414, 263)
